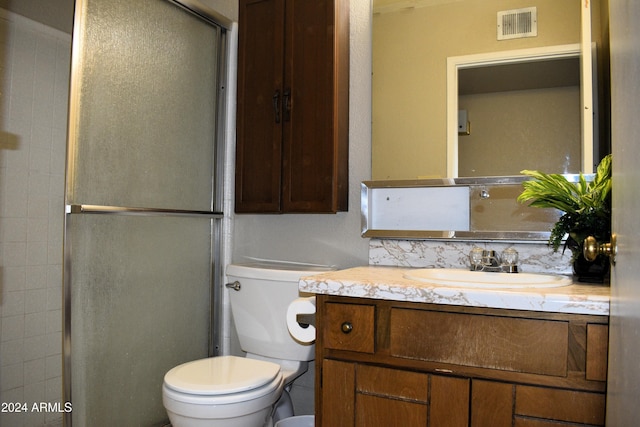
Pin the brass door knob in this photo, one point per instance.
(591, 249)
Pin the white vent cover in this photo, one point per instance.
(517, 23)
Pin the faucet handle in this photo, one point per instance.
(476, 258)
(510, 260)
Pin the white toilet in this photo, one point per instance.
(233, 391)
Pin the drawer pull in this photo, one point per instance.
(346, 327)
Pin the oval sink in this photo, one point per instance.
(459, 278)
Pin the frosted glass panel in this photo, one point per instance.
(143, 106)
(140, 295)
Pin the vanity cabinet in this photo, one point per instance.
(388, 363)
(292, 109)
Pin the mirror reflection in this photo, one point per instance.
(412, 41)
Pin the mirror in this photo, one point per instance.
(411, 122)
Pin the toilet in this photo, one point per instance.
(250, 391)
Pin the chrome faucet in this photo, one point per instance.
(488, 260)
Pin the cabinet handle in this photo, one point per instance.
(286, 105)
(346, 327)
(276, 105)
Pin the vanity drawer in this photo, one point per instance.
(349, 327)
(506, 343)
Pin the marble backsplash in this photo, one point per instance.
(534, 257)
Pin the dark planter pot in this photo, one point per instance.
(587, 271)
(591, 271)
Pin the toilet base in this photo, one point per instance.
(283, 407)
(260, 418)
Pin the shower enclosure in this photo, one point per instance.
(143, 203)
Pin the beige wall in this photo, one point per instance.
(507, 134)
(410, 50)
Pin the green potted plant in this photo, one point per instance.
(587, 212)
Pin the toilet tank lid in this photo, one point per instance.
(276, 270)
(221, 375)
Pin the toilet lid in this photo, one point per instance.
(221, 375)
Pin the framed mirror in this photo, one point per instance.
(412, 42)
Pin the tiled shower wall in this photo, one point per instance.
(34, 72)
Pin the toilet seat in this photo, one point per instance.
(223, 378)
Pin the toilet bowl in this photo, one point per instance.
(249, 391)
(225, 391)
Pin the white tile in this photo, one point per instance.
(35, 324)
(14, 254)
(39, 183)
(34, 418)
(14, 229)
(33, 372)
(13, 395)
(13, 278)
(54, 298)
(37, 253)
(40, 159)
(54, 275)
(36, 277)
(34, 392)
(12, 309)
(15, 193)
(12, 419)
(35, 300)
(53, 344)
(54, 322)
(53, 367)
(11, 352)
(53, 419)
(41, 135)
(52, 390)
(35, 347)
(12, 377)
(37, 229)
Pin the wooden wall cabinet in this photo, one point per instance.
(292, 111)
(385, 363)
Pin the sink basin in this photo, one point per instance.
(459, 278)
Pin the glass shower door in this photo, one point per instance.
(142, 199)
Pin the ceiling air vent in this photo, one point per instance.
(517, 23)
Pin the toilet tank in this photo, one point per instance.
(259, 307)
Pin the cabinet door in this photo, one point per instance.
(390, 397)
(315, 171)
(491, 404)
(448, 401)
(338, 394)
(259, 109)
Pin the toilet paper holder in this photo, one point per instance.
(306, 319)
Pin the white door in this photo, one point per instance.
(624, 360)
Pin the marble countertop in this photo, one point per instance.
(389, 283)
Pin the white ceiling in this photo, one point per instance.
(54, 13)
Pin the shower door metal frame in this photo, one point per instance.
(224, 26)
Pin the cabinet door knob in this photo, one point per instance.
(346, 327)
